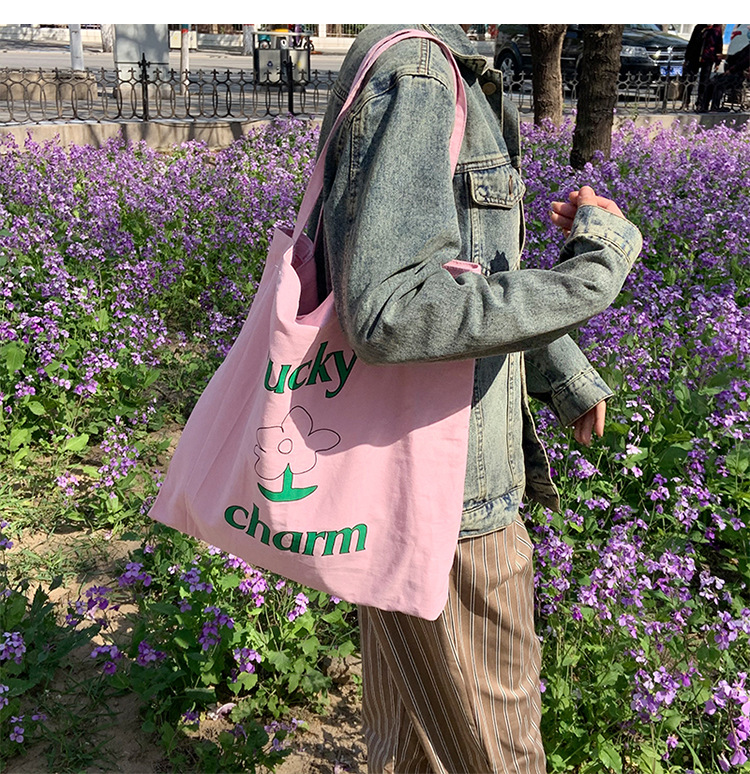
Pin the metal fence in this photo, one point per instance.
(143, 94)
(639, 94)
(344, 30)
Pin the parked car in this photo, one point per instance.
(646, 51)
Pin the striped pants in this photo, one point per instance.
(459, 694)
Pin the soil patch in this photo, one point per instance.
(329, 743)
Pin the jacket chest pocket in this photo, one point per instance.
(500, 186)
(495, 196)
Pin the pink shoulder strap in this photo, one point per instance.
(315, 186)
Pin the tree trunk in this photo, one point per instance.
(546, 42)
(247, 39)
(108, 37)
(597, 92)
(76, 47)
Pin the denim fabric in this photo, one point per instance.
(393, 214)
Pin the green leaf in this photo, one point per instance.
(673, 456)
(19, 436)
(334, 617)
(163, 608)
(20, 454)
(246, 681)
(310, 646)
(738, 460)
(609, 756)
(13, 611)
(14, 357)
(279, 660)
(102, 323)
(201, 695)
(184, 641)
(649, 761)
(76, 444)
(228, 582)
(35, 407)
(682, 394)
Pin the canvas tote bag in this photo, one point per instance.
(303, 460)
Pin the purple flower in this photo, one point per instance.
(190, 717)
(245, 658)
(134, 574)
(148, 655)
(300, 606)
(210, 634)
(114, 655)
(12, 647)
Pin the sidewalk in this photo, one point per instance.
(49, 54)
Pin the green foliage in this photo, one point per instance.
(33, 646)
(210, 632)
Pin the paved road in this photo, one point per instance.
(17, 54)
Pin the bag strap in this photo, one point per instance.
(315, 186)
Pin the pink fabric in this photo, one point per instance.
(305, 461)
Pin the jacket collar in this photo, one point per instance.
(461, 47)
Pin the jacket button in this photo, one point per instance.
(489, 88)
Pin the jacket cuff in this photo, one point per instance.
(595, 223)
(579, 394)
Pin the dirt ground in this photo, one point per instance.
(331, 743)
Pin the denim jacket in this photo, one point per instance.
(393, 214)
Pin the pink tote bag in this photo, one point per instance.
(305, 461)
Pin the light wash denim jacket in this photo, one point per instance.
(393, 214)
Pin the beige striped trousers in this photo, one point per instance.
(459, 694)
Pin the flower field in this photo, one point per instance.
(125, 276)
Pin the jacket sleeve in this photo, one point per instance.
(391, 223)
(560, 375)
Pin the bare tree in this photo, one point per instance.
(108, 37)
(546, 42)
(597, 92)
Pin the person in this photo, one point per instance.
(711, 56)
(462, 693)
(691, 64)
(730, 81)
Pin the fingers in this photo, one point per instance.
(564, 209)
(600, 413)
(587, 196)
(591, 422)
(582, 429)
(562, 214)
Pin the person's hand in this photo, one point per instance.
(563, 213)
(591, 422)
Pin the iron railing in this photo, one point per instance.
(143, 94)
(344, 30)
(638, 94)
(146, 93)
